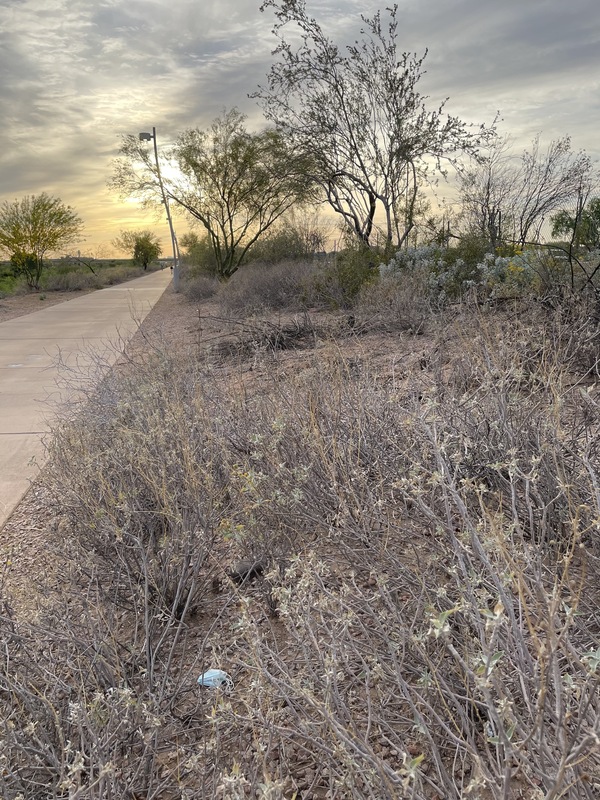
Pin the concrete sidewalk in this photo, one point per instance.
(31, 348)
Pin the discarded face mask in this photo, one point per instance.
(216, 679)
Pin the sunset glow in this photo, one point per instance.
(77, 75)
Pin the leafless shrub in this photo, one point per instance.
(199, 287)
(76, 280)
(99, 696)
(94, 707)
(473, 671)
(120, 274)
(449, 647)
(71, 281)
(133, 477)
(249, 338)
(574, 330)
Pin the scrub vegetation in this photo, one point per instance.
(32, 227)
(361, 481)
(385, 531)
(72, 274)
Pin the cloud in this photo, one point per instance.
(511, 55)
(76, 74)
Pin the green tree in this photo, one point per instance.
(300, 234)
(358, 112)
(237, 184)
(582, 228)
(32, 227)
(144, 246)
(198, 252)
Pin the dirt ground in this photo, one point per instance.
(17, 305)
(181, 323)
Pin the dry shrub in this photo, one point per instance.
(394, 303)
(427, 622)
(198, 287)
(575, 332)
(70, 281)
(120, 274)
(255, 338)
(340, 279)
(256, 288)
(81, 278)
(99, 697)
(441, 634)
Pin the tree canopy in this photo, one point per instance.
(34, 226)
(507, 197)
(237, 184)
(358, 112)
(582, 227)
(144, 246)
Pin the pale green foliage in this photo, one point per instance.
(236, 184)
(359, 113)
(300, 234)
(581, 228)
(247, 182)
(280, 245)
(198, 253)
(34, 226)
(448, 273)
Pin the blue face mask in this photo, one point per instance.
(216, 679)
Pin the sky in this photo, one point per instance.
(75, 75)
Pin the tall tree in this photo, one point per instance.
(144, 246)
(507, 198)
(237, 184)
(34, 226)
(359, 113)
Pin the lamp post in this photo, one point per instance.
(145, 137)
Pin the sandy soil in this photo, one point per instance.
(17, 305)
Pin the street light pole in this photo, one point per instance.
(145, 137)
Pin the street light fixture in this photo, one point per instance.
(146, 137)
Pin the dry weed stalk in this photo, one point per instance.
(428, 623)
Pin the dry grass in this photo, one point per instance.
(426, 625)
(17, 305)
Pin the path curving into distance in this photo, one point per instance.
(31, 348)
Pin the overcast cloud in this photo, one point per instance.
(77, 74)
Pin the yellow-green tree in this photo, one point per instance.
(236, 183)
(582, 228)
(144, 246)
(32, 227)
